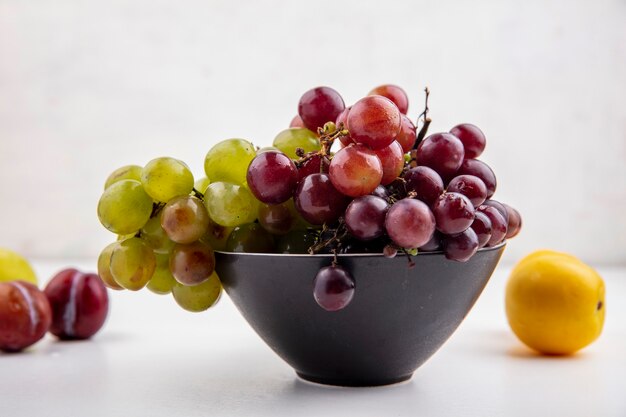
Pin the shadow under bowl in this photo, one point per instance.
(399, 316)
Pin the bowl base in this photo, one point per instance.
(347, 382)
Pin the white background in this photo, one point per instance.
(87, 86)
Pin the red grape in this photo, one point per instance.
(393, 93)
(425, 182)
(498, 224)
(407, 135)
(410, 223)
(276, 219)
(460, 247)
(333, 288)
(514, 223)
(314, 165)
(454, 213)
(318, 106)
(481, 170)
(433, 244)
(318, 201)
(392, 159)
(499, 206)
(482, 227)
(192, 264)
(272, 177)
(365, 217)
(374, 121)
(472, 137)
(297, 122)
(471, 187)
(343, 118)
(184, 219)
(355, 170)
(442, 152)
(381, 192)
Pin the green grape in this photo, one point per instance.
(197, 298)
(184, 219)
(267, 149)
(128, 236)
(104, 267)
(193, 263)
(132, 263)
(216, 236)
(201, 184)
(230, 205)
(298, 221)
(296, 241)
(162, 280)
(124, 207)
(128, 172)
(250, 238)
(166, 178)
(153, 234)
(228, 161)
(290, 139)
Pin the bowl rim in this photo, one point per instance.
(345, 255)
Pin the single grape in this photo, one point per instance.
(454, 213)
(514, 223)
(162, 280)
(216, 236)
(333, 288)
(410, 223)
(472, 137)
(193, 263)
(297, 122)
(318, 106)
(314, 165)
(318, 201)
(250, 238)
(481, 170)
(374, 121)
(471, 187)
(425, 183)
(153, 234)
(104, 267)
(342, 120)
(499, 206)
(197, 298)
(276, 219)
(390, 251)
(201, 184)
(267, 149)
(498, 224)
(392, 159)
(460, 247)
(184, 219)
(408, 134)
(381, 192)
(433, 244)
(365, 217)
(296, 241)
(355, 170)
(291, 139)
(482, 227)
(230, 205)
(128, 172)
(272, 177)
(132, 263)
(14, 267)
(299, 223)
(442, 152)
(393, 93)
(166, 178)
(228, 161)
(124, 207)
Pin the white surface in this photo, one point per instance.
(87, 86)
(153, 359)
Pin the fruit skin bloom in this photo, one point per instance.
(555, 303)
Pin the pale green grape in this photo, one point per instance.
(128, 172)
(290, 139)
(267, 149)
(216, 236)
(166, 178)
(230, 205)
(250, 238)
(124, 207)
(104, 267)
(228, 161)
(162, 280)
(201, 184)
(154, 235)
(199, 297)
(132, 263)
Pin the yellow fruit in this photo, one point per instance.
(555, 302)
(13, 267)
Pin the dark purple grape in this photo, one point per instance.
(410, 223)
(425, 182)
(250, 238)
(318, 106)
(314, 165)
(471, 187)
(454, 213)
(365, 217)
(514, 223)
(460, 247)
(498, 224)
(442, 152)
(472, 137)
(481, 170)
(381, 192)
(434, 244)
(276, 219)
(499, 206)
(272, 177)
(333, 288)
(318, 201)
(482, 228)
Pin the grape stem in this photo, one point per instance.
(197, 194)
(339, 234)
(423, 130)
(328, 135)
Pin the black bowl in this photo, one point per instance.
(397, 319)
